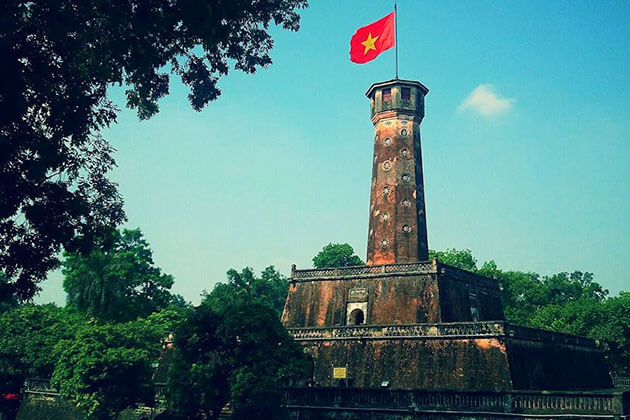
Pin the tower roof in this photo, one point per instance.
(397, 82)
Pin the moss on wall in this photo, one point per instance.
(475, 364)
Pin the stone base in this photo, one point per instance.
(480, 356)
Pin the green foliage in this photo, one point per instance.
(575, 317)
(107, 368)
(457, 258)
(522, 292)
(58, 60)
(616, 330)
(242, 355)
(198, 373)
(336, 255)
(28, 336)
(117, 280)
(263, 357)
(564, 287)
(104, 370)
(269, 289)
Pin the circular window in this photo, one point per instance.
(406, 228)
(386, 190)
(384, 216)
(405, 153)
(406, 178)
(406, 203)
(387, 165)
(387, 141)
(384, 243)
(404, 132)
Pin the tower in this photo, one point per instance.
(397, 225)
(405, 322)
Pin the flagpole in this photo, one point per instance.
(396, 34)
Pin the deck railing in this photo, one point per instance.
(459, 329)
(43, 386)
(39, 386)
(451, 329)
(362, 270)
(614, 404)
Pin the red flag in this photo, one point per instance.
(371, 40)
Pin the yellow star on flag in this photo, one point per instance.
(369, 43)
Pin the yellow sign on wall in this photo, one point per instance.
(340, 373)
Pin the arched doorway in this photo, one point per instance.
(357, 317)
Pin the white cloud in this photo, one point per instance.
(484, 101)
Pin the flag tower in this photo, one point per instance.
(397, 223)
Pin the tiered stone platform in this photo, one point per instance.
(421, 339)
(419, 333)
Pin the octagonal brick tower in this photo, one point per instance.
(398, 227)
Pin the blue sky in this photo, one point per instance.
(526, 144)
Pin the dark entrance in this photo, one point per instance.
(357, 317)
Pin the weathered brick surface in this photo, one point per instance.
(394, 299)
(539, 364)
(397, 222)
(456, 301)
(475, 364)
(518, 358)
(391, 300)
(504, 357)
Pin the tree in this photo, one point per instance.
(336, 255)
(616, 330)
(8, 301)
(269, 289)
(242, 355)
(58, 60)
(197, 381)
(104, 370)
(264, 358)
(457, 258)
(565, 287)
(28, 336)
(117, 280)
(107, 368)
